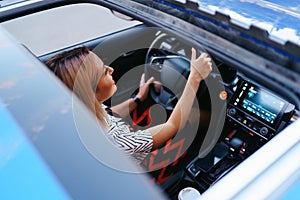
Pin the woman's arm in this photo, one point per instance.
(123, 109)
(200, 69)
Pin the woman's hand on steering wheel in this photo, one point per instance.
(144, 87)
(200, 67)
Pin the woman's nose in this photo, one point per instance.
(110, 69)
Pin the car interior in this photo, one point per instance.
(238, 110)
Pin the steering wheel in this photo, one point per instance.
(166, 61)
(171, 71)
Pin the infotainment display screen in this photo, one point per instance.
(258, 109)
(262, 104)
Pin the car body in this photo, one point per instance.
(249, 147)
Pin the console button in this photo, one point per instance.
(255, 128)
(194, 170)
(250, 125)
(239, 118)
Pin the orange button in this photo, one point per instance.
(223, 95)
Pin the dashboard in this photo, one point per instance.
(249, 104)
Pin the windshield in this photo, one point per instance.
(279, 18)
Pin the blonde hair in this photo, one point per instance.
(80, 70)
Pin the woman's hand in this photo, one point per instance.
(200, 67)
(144, 87)
(125, 108)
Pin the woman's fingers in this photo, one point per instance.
(193, 56)
(149, 81)
(144, 87)
(142, 81)
(157, 86)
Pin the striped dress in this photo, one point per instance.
(138, 144)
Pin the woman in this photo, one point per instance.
(86, 75)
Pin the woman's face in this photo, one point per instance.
(106, 85)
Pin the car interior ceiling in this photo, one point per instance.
(250, 121)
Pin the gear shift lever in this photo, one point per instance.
(230, 160)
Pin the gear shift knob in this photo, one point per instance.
(236, 143)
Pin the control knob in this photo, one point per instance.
(232, 111)
(264, 131)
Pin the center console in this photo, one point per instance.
(254, 115)
(258, 110)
